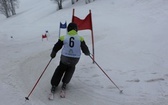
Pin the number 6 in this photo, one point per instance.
(71, 41)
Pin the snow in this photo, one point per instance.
(130, 46)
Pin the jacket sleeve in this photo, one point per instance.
(57, 46)
(85, 48)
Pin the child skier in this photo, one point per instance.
(72, 45)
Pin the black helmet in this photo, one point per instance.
(72, 26)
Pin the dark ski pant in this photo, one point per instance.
(64, 71)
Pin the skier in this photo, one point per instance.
(72, 45)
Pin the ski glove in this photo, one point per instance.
(53, 54)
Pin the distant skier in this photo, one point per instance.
(72, 45)
(47, 34)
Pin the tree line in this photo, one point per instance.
(59, 2)
(8, 7)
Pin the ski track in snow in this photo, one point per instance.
(137, 63)
(84, 87)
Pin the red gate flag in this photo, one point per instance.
(83, 23)
(44, 36)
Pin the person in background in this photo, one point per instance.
(71, 44)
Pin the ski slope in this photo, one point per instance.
(130, 45)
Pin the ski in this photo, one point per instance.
(51, 96)
(62, 94)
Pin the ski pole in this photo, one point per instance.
(106, 75)
(27, 98)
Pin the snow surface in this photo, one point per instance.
(130, 45)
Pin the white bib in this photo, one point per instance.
(72, 46)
